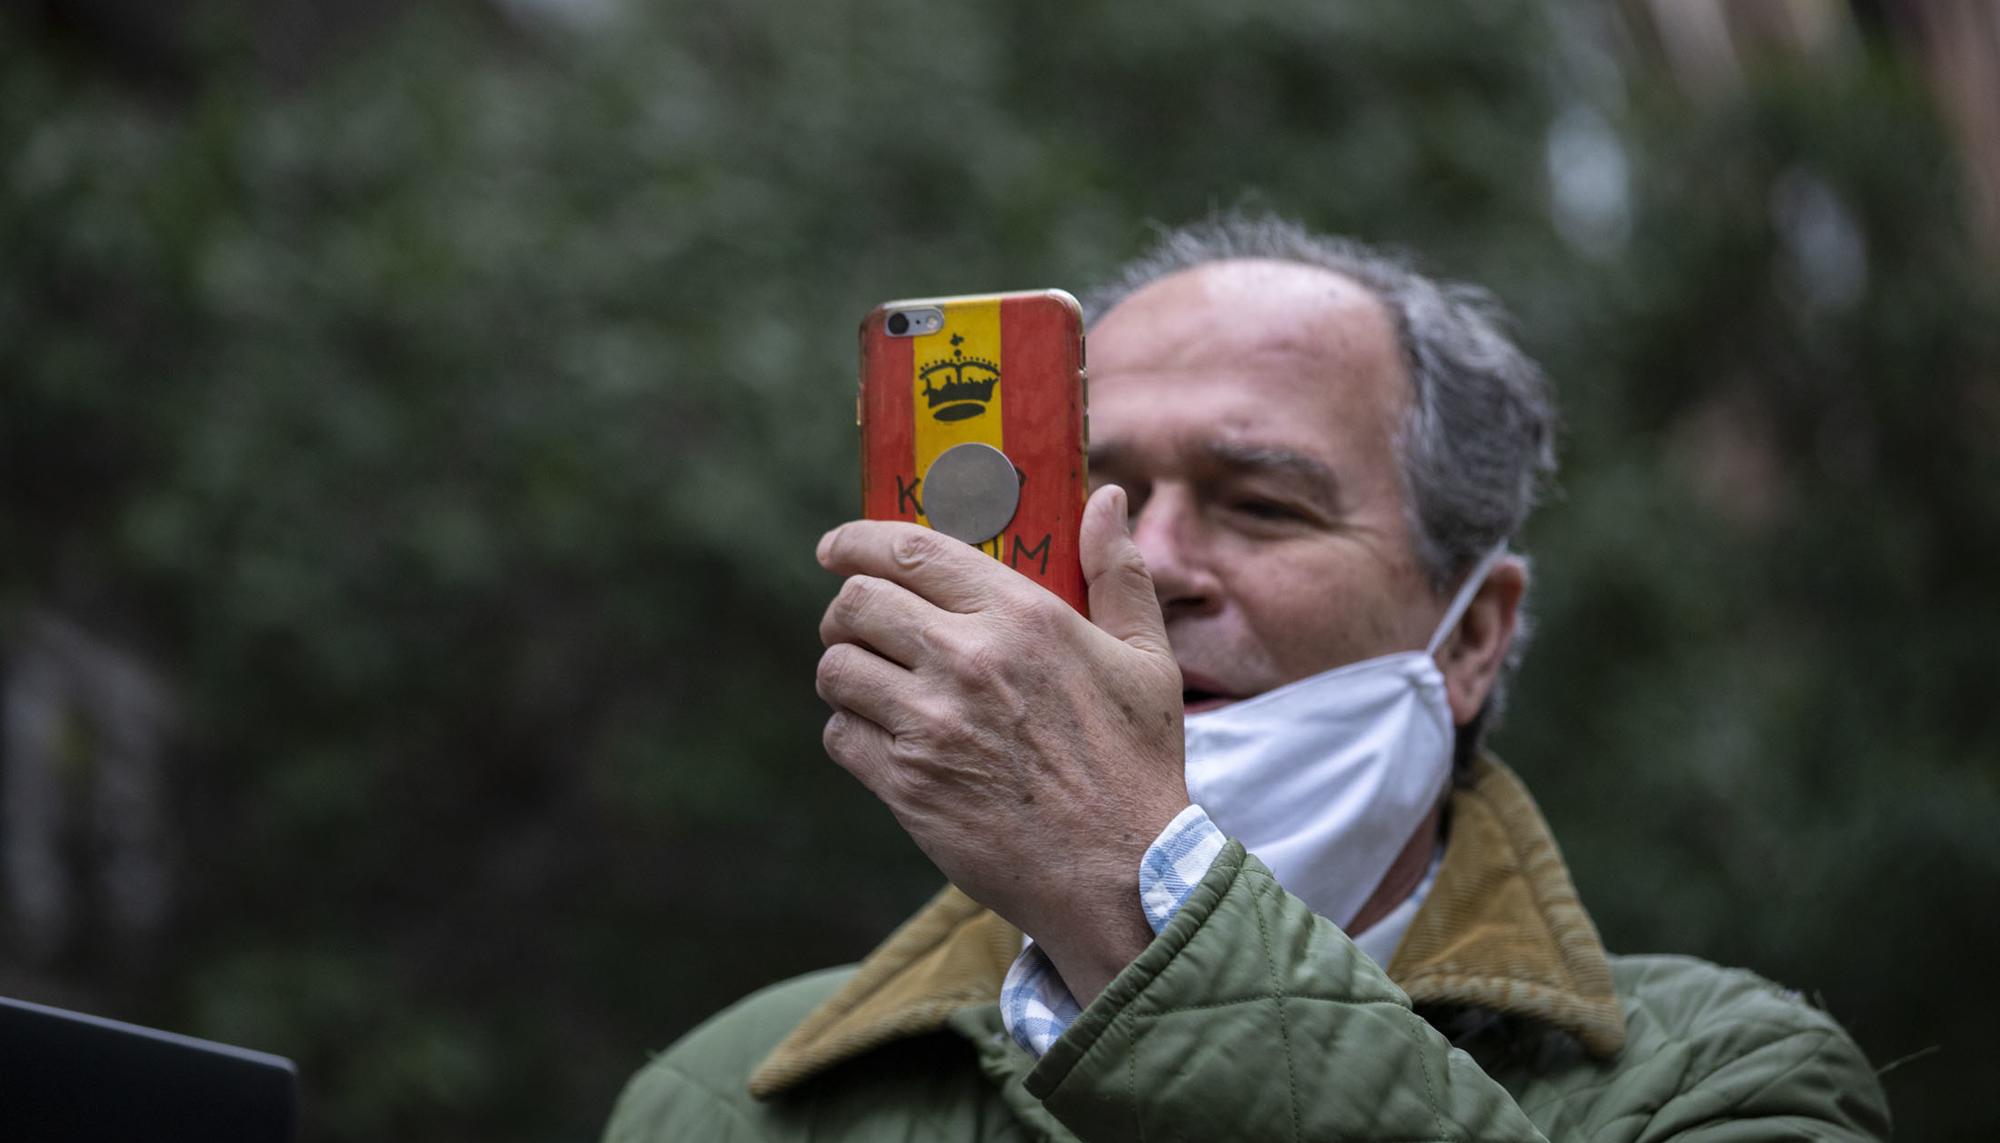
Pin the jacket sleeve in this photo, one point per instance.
(1252, 1018)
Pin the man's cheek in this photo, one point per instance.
(1296, 643)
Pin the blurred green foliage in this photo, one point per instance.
(451, 427)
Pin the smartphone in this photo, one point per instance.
(973, 421)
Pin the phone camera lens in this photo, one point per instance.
(899, 324)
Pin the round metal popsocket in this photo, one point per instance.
(971, 492)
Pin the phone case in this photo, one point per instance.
(1004, 371)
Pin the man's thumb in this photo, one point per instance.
(1122, 599)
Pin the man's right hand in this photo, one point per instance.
(1031, 753)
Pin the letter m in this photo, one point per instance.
(1041, 549)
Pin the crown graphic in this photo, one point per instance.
(958, 386)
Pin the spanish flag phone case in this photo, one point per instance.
(972, 413)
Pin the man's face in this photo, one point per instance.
(1249, 409)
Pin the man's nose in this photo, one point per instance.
(1169, 534)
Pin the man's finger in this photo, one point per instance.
(855, 679)
(947, 572)
(859, 746)
(1123, 601)
(886, 616)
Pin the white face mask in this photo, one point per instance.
(1326, 779)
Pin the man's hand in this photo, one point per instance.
(1031, 753)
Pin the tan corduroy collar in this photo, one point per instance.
(1502, 930)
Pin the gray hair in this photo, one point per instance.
(1478, 444)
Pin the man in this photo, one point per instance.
(1310, 460)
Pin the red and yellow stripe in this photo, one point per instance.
(1034, 416)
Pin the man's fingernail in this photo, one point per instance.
(825, 545)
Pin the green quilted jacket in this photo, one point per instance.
(1500, 1017)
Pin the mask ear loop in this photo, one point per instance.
(1474, 580)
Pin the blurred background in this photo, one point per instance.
(415, 421)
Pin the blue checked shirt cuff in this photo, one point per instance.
(1035, 1004)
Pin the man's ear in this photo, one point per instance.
(1476, 651)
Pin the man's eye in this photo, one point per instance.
(1264, 510)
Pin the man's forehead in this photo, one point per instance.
(1253, 306)
(1297, 355)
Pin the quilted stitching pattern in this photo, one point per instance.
(1261, 1028)
(1713, 1054)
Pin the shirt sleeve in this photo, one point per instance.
(1035, 1004)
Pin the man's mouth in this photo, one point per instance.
(1200, 693)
